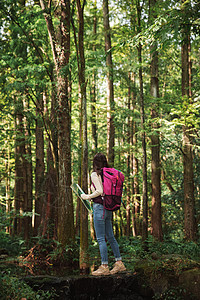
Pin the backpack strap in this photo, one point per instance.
(101, 174)
(92, 183)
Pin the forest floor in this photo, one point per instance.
(172, 277)
(164, 272)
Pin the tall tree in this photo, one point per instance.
(110, 88)
(134, 134)
(20, 172)
(8, 172)
(135, 163)
(128, 202)
(144, 154)
(189, 201)
(50, 217)
(49, 188)
(93, 86)
(156, 221)
(23, 159)
(40, 166)
(28, 207)
(83, 262)
(60, 46)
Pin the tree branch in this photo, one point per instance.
(51, 31)
(41, 113)
(28, 37)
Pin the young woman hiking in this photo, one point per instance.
(103, 220)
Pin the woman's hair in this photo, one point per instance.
(99, 161)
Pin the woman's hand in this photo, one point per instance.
(85, 197)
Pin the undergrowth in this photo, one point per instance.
(12, 288)
(132, 250)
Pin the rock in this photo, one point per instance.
(174, 276)
(190, 281)
(116, 287)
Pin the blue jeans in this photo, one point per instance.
(103, 229)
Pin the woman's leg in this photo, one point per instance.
(99, 225)
(110, 235)
(118, 266)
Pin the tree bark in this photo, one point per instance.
(65, 205)
(189, 201)
(110, 88)
(23, 164)
(49, 197)
(20, 194)
(40, 167)
(60, 47)
(135, 167)
(168, 184)
(144, 158)
(8, 177)
(28, 205)
(93, 90)
(156, 220)
(84, 260)
(128, 201)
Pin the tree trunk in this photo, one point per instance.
(49, 197)
(144, 160)
(65, 204)
(135, 168)
(23, 179)
(79, 172)
(156, 221)
(20, 172)
(61, 60)
(110, 88)
(93, 90)
(28, 205)
(40, 167)
(52, 168)
(8, 199)
(189, 201)
(83, 262)
(128, 201)
(168, 184)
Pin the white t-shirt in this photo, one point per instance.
(98, 189)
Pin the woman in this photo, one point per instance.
(103, 220)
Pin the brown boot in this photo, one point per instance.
(101, 271)
(118, 267)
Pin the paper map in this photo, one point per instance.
(77, 189)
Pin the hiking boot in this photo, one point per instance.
(102, 270)
(118, 267)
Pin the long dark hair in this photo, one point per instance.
(99, 161)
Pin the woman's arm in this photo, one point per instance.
(96, 180)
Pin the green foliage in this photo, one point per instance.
(14, 245)
(68, 256)
(26, 71)
(14, 288)
(171, 256)
(180, 247)
(174, 293)
(47, 254)
(176, 255)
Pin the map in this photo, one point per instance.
(78, 191)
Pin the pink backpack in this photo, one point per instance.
(112, 180)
